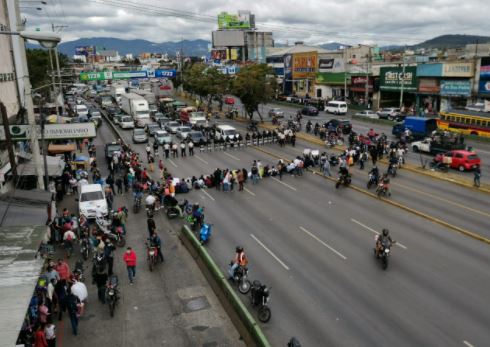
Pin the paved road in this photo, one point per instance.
(313, 245)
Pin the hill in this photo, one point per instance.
(451, 41)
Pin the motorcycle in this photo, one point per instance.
(384, 252)
(84, 247)
(112, 294)
(275, 121)
(205, 233)
(99, 265)
(240, 277)
(115, 234)
(344, 180)
(152, 255)
(334, 161)
(382, 189)
(172, 212)
(137, 204)
(150, 210)
(78, 271)
(252, 127)
(259, 296)
(68, 245)
(392, 168)
(373, 180)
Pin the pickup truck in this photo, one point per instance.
(433, 147)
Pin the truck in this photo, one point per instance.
(420, 127)
(149, 96)
(439, 144)
(137, 107)
(116, 91)
(189, 115)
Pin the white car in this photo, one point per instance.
(367, 114)
(126, 122)
(183, 132)
(92, 202)
(226, 132)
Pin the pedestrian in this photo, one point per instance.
(166, 149)
(109, 250)
(119, 185)
(61, 292)
(240, 180)
(326, 168)
(160, 167)
(110, 181)
(182, 149)
(477, 176)
(40, 337)
(100, 279)
(151, 161)
(63, 269)
(191, 148)
(293, 140)
(72, 305)
(50, 332)
(280, 168)
(362, 159)
(148, 151)
(130, 260)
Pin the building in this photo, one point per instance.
(109, 56)
(237, 39)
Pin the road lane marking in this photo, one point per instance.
(270, 252)
(207, 194)
(285, 184)
(324, 243)
(172, 162)
(231, 156)
(468, 344)
(201, 159)
(443, 199)
(249, 192)
(375, 232)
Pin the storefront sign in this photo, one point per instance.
(7, 77)
(428, 85)
(484, 87)
(392, 78)
(304, 65)
(429, 70)
(457, 70)
(456, 87)
(52, 131)
(326, 64)
(485, 68)
(330, 65)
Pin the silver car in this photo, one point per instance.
(172, 127)
(276, 112)
(183, 132)
(162, 137)
(390, 113)
(139, 136)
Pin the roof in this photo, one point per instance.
(226, 127)
(55, 167)
(298, 49)
(90, 188)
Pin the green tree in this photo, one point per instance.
(195, 80)
(217, 85)
(254, 87)
(39, 66)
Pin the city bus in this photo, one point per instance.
(465, 122)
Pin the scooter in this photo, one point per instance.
(137, 204)
(205, 233)
(84, 247)
(259, 296)
(152, 255)
(172, 212)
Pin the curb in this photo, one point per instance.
(394, 203)
(239, 314)
(485, 188)
(113, 127)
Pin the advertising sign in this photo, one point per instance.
(116, 75)
(95, 76)
(165, 73)
(392, 78)
(457, 70)
(233, 21)
(485, 68)
(429, 70)
(326, 64)
(304, 65)
(52, 131)
(428, 85)
(456, 87)
(88, 51)
(484, 87)
(218, 54)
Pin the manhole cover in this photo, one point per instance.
(196, 304)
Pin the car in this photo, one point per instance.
(172, 127)
(142, 122)
(111, 148)
(196, 137)
(139, 136)
(162, 137)
(163, 120)
(126, 122)
(336, 107)
(229, 100)
(182, 132)
(367, 114)
(97, 119)
(391, 113)
(309, 111)
(226, 132)
(151, 128)
(153, 109)
(344, 125)
(460, 159)
(276, 112)
(157, 115)
(117, 118)
(91, 201)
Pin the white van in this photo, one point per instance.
(226, 131)
(81, 110)
(92, 200)
(336, 107)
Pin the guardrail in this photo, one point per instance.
(244, 322)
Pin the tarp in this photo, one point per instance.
(55, 167)
(81, 158)
(60, 149)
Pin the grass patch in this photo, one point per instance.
(477, 138)
(285, 103)
(374, 121)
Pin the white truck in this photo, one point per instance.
(117, 90)
(149, 96)
(137, 107)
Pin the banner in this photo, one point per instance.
(218, 54)
(52, 131)
(485, 68)
(392, 78)
(456, 87)
(165, 73)
(95, 76)
(233, 21)
(457, 70)
(304, 65)
(118, 75)
(484, 87)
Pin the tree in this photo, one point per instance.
(39, 66)
(195, 81)
(254, 87)
(217, 85)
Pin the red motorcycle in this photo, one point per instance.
(152, 256)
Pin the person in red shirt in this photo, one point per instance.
(63, 269)
(130, 260)
(40, 337)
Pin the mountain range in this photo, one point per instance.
(198, 48)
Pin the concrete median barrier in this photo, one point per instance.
(245, 323)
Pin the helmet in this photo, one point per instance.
(386, 232)
(239, 249)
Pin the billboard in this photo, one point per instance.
(456, 87)
(304, 65)
(95, 76)
(392, 78)
(484, 87)
(88, 51)
(485, 68)
(457, 70)
(165, 73)
(52, 131)
(234, 21)
(218, 54)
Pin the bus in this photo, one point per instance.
(465, 122)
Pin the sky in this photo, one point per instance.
(382, 22)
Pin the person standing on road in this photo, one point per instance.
(191, 148)
(119, 184)
(326, 168)
(151, 161)
(130, 260)
(148, 151)
(240, 180)
(476, 177)
(50, 332)
(155, 148)
(72, 303)
(182, 149)
(100, 279)
(40, 337)
(166, 149)
(110, 181)
(175, 153)
(109, 250)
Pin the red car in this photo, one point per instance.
(229, 101)
(460, 159)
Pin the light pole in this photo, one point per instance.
(402, 82)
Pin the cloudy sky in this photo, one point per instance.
(313, 21)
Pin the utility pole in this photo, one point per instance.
(60, 27)
(345, 74)
(8, 138)
(366, 98)
(402, 81)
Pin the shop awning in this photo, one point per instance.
(55, 167)
(60, 149)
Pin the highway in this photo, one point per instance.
(313, 245)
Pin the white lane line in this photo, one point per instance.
(468, 344)
(207, 194)
(231, 156)
(172, 162)
(481, 150)
(324, 243)
(284, 184)
(201, 159)
(375, 232)
(270, 252)
(248, 191)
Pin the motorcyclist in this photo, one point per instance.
(385, 183)
(308, 126)
(344, 172)
(393, 162)
(137, 192)
(170, 201)
(239, 260)
(197, 213)
(375, 173)
(382, 238)
(150, 202)
(155, 241)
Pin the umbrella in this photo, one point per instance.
(81, 158)
(80, 290)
